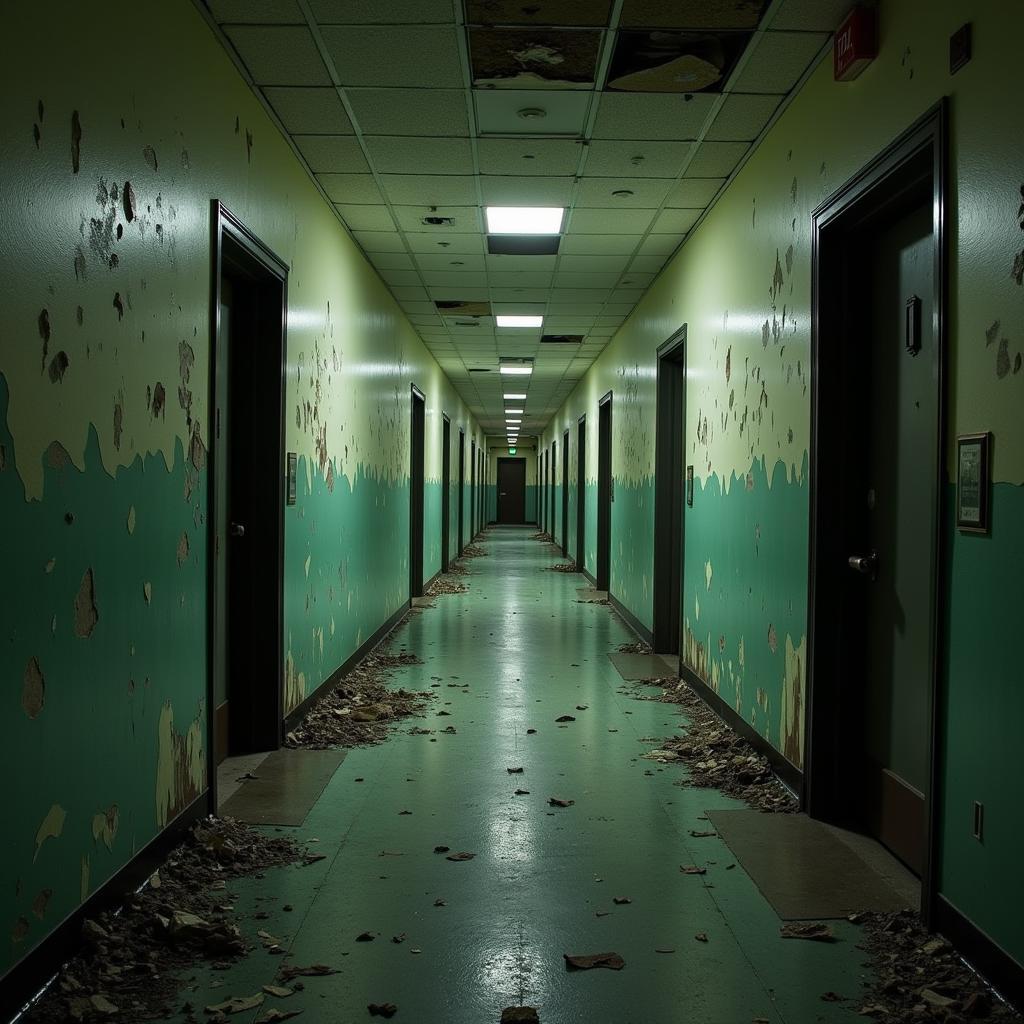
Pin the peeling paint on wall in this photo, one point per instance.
(86, 612)
(33, 690)
(180, 768)
(792, 725)
(51, 827)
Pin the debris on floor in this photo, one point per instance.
(361, 709)
(637, 647)
(519, 1015)
(918, 976)
(456, 568)
(542, 535)
(382, 1009)
(715, 756)
(561, 567)
(473, 551)
(589, 961)
(815, 931)
(133, 962)
(444, 584)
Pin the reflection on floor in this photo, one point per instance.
(456, 941)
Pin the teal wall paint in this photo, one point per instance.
(431, 529)
(590, 536)
(531, 503)
(491, 502)
(983, 708)
(632, 556)
(744, 602)
(119, 762)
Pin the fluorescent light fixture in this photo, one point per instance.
(524, 220)
(514, 422)
(516, 369)
(513, 412)
(519, 321)
(514, 398)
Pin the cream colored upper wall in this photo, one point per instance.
(182, 135)
(734, 276)
(497, 448)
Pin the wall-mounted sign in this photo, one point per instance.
(972, 483)
(511, 451)
(290, 481)
(855, 44)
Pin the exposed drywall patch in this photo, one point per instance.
(182, 550)
(708, 573)
(180, 773)
(149, 155)
(792, 723)
(147, 592)
(104, 826)
(86, 613)
(773, 639)
(130, 523)
(59, 366)
(50, 827)
(33, 689)
(40, 903)
(43, 325)
(527, 58)
(76, 142)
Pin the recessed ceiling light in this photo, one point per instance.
(531, 113)
(519, 321)
(623, 193)
(513, 412)
(524, 220)
(515, 422)
(509, 397)
(516, 369)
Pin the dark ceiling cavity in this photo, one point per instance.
(686, 62)
(523, 245)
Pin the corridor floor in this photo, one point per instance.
(512, 655)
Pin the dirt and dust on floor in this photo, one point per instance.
(136, 962)
(474, 550)
(918, 976)
(362, 709)
(445, 583)
(542, 535)
(561, 567)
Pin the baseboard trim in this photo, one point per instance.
(984, 954)
(788, 772)
(631, 620)
(34, 970)
(301, 710)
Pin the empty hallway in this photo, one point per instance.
(381, 382)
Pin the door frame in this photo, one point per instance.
(472, 490)
(503, 460)
(417, 490)
(669, 520)
(565, 494)
(446, 486)
(462, 488)
(581, 493)
(227, 230)
(917, 155)
(542, 461)
(605, 493)
(552, 462)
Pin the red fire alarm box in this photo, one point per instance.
(855, 44)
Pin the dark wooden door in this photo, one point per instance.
(416, 486)
(511, 490)
(446, 488)
(604, 493)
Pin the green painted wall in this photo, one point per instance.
(741, 284)
(104, 426)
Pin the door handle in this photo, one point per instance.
(866, 565)
(236, 530)
(501, 494)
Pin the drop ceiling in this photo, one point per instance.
(413, 115)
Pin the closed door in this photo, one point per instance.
(511, 490)
(891, 534)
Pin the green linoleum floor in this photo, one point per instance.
(530, 653)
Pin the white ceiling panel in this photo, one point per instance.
(526, 191)
(811, 15)
(309, 110)
(427, 112)
(499, 111)
(379, 242)
(458, 242)
(263, 12)
(694, 192)
(507, 263)
(778, 61)
(519, 279)
(417, 56)
(646, 116)
(716, 159)
(430, 189)
(453, 279)
(675, 222)
(350, 188)
(586, 263)
(366, 218)
(597, 245)
(411, 218)
(405, 155)
(551, 157)
(622, 193)
(406, 278)
(643, 159)
(661, 245)
(391, 260)
(620, 222)
(340, 154)
(450, 261)
(592, 280)
(742, 117)
(649, 263)
(355, 12)
(279, 54)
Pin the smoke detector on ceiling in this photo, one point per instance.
(532, 113)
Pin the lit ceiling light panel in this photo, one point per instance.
(519, 321)
(515, 398)
(515, 422)
(524, 220)
(516, 370)
(513, 412)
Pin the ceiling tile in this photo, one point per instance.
(427, 112)
(380, 241)
(551, 157)
(742, 117)
(458, 242)
(694, 192)
(651, 116)
(366, 218)
(630, 295)
(425, 320)
(340, 154)
(810, 15)
(391, 260)
(404, 155)
(735, 14)
(450, 261)
(505, 262)
(564, 113)
(463, 219)
(513, 57)
(538, 12)
(647, 193)
(634, 279)
(400, 12)
(403, 278)
(716, 159)
(536, 293)
(279, 54)
(519, 279)
(410, 293)
(602, 264)
(612, 245)
(596, 222)
(592, 280)
(660, 245)
(612, 159)
(578, 295)
(526, 191)
(778, 61)
(418, 56)
(648, 263)
(454, 279)
(425, 190)
(619, 308)
(309, 110)
(266, 12)
(417, 306)
(675, 221)
(350, 188)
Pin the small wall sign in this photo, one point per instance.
(855, 44)
(292, 464)
(972, 482)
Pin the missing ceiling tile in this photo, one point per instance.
(686, 62)
(538, 12)
(460, 308)
(561, 339)
(538, 58)
(523, 245)
(707, 14)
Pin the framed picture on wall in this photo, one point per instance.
(972, 482)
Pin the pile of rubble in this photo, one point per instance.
(714, 755)
(542, 535)
(444, 584)
(133, 961)
(918, 976)
(456, 568)
(361, 709)
(473, 551)
(639, 647)
(561, 567)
